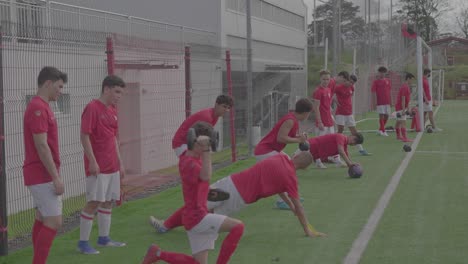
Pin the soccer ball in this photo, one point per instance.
(355, 171)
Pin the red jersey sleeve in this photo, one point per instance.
(38, 121)
(317, 95)
(88, 120)
(374, 86)
(292, 188)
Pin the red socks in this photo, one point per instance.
(174, 220)
(398, 132)
(177, 258)
(230, 244)
(43, 242)
(403, 132)
(382, 124)
(35, 230)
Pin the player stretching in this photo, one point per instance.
(381, 87)
(344, 111)
(202, 227)
(103, 166)
(210, 115)
(41, 169)
(274, 175)
(402, 107)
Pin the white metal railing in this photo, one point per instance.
(29, 20)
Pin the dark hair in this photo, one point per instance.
(49, 73)
(382, 69)
(202, 129)
(359, 138)
(303, 105)
(324, 72)
(426, 71)
(344, 74)
(409, 76)
(112, 81)
(225, 99)
(353, 78)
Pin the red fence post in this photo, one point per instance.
(3, 182)
(231, 113)
(188, 83)
(110, 56)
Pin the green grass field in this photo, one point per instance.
(424, 222)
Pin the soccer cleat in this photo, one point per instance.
(320, 165)
(108, 242)
(399, 138)
(85, 248)
(364, 152)
(151, 255)
(384, 133)
(158, 225)
(216, 195)
(406, 140)
(436, 129)
(282, 205)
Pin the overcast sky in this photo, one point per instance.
(448, 21)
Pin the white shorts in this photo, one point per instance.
(178, 151)
(402, 115)
(45, 200)
(345, 120)
(203, 236)
(103, 187)
(230, 206)
(427, 107)
(384, 109)
(325, 131)
(267, 155)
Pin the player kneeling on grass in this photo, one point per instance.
(333, 144)
(274, 175)
(103, 166)
(202, 227)
(402, 108)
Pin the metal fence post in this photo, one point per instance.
(3, 182)
(231, 113)
(188, 84)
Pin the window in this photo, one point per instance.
(30, 20)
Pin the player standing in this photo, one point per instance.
(202, 227)
(382, 87)
(41, 169)
(103, 166)
(344, 112)
(428, 101)
(402, 107)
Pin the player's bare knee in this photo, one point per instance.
(106, 205)
(54, 222)
(91, 207)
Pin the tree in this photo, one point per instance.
(462, 20)
(352, 26)
(424, 14)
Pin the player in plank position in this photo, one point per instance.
(202, 226)
(273, 175)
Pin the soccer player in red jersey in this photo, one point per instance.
(274, 175)
(333, 144)
(344, 112)
(103, 166)
(382, 87)
(202, 227)
(322, 98)
(284, 132)
(223, 104)
(41, 168)
(402, 107)
(427, 106)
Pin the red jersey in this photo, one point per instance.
(344, 96)
(324, 95)
(403, 92)
(382, 88)
(271, 176)
(39, 119)
(100, 123)
(270, 143)
(205, 115)
(325, 146)
(195, 191)
(426, 89)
